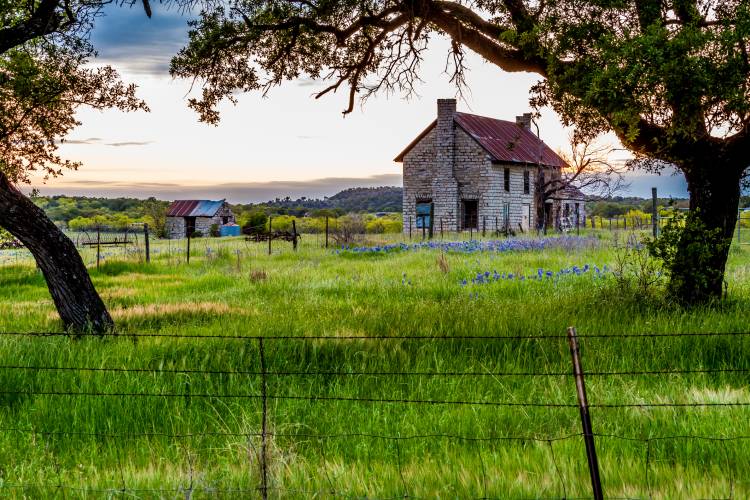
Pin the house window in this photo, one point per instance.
(424, 214)
(471, 213)
(225, 220)
(506, 179)
(526, 182)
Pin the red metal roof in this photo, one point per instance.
(194, 208)
(505, 141)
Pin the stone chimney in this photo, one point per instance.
(444, 184)
(524, 121)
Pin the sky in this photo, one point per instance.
(284, 144)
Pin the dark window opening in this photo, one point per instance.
(526, 182)
(506, 175)
(189, 226)
(225, 220)
(471, 214)
(424, 214)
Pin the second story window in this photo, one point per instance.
(526, 182)
(506, 179)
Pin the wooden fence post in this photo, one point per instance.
(147, 243)
(294, 235)
(188, 248)
(270, 234)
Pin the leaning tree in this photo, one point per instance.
(669, 77)
(44, 79)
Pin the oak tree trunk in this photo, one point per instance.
(75, 297)
(714, 200)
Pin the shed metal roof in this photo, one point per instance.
(194, 208)
(505, 141)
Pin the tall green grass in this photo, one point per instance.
(196, 440)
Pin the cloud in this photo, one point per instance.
(129, 143)
(669, 184)
(124, 37)
(90, 140)
(308, 82)
(97, 140)
(234, 192)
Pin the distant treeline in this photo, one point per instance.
(78, 212)
(619, 205)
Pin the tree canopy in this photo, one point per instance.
(44, 78)
(653, 71)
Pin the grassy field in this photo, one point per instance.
(187, 424)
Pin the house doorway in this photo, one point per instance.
(525, 217)
(189, 226)
(424, 211)
(471, 213)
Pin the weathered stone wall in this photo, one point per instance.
(175, 227)
(480, 179)
(419, 168)
(448, 166)
(203, 224)
(444, 183)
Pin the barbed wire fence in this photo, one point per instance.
(264, 396)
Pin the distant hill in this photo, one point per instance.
(376, 199)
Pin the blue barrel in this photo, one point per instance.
(229, 230)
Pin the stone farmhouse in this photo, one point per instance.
(187, 217)
(468, 172)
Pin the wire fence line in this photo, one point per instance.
(264, 396)
(374, 337)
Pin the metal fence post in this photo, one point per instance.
(739, 226)
(264, 421)
(98, 244)
(147, 243)
(583, 405)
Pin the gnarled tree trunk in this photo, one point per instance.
(714, 199)
(75, 297)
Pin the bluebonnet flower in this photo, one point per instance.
(486, 277)
(567, 242)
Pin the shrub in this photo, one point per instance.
(687, 249)
(214, 230)
(348, 228)
(254, 222)
(638, 276)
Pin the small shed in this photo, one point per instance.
(190, 217)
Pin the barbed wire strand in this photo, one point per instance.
(327, 373)
(375, 337)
